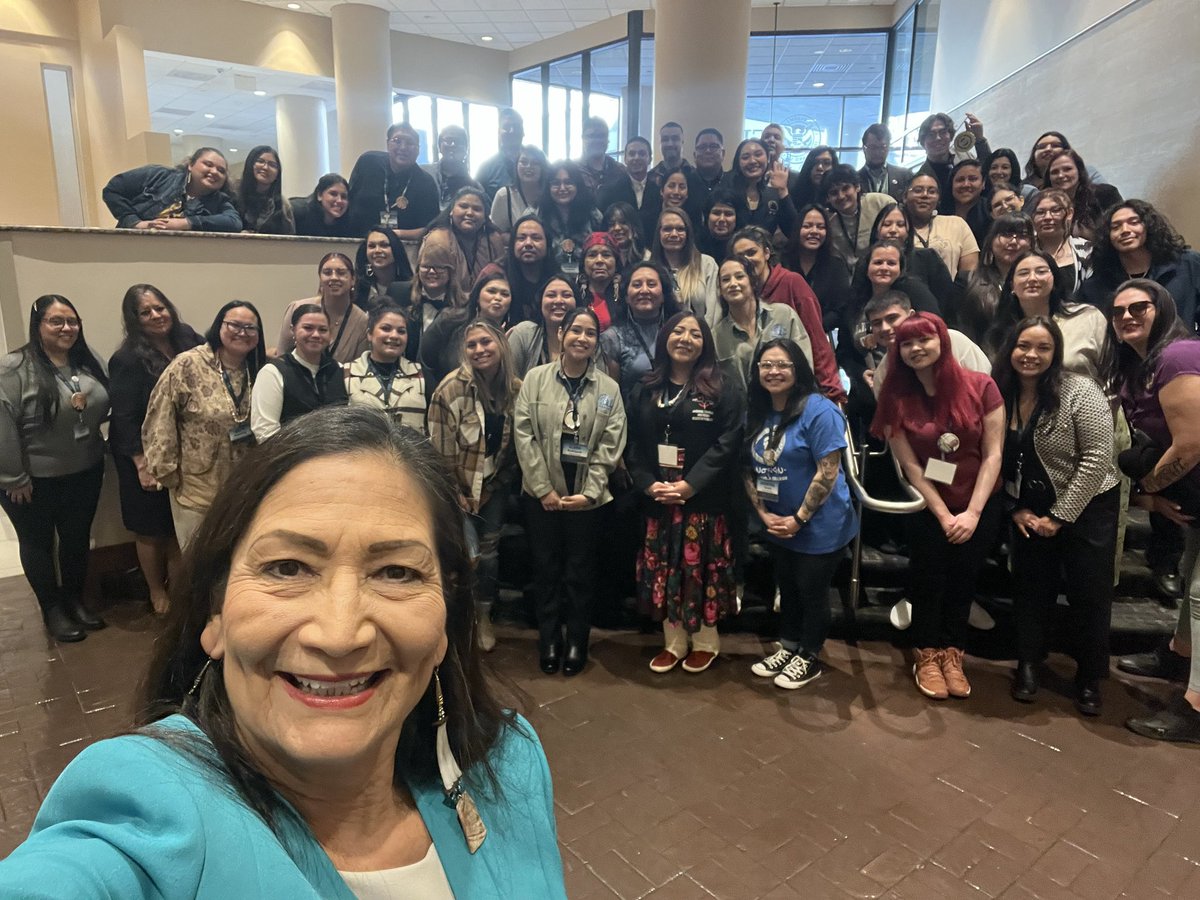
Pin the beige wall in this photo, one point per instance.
(1133, 120)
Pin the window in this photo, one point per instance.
(429, 115)
(914, 39)
(821, 88)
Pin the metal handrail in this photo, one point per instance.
(854, 459)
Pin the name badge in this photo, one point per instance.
(389, 218)
(81, 431)
(604, 403)
(670, 456)
(767, 487)
(940, 471)
(240, 433)
(573, 451)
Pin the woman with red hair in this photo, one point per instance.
(945, 426)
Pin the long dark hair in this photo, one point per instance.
(670, 304)
(758, 398)
(1120, 366)
(860, 285)
(80, 356)
(249, 199)
(1162, 240)
(443, 218)
(706, 379)
(1008, 310)
(824, 252)
(626, 215)
(135, 338)
(475, 719)
(401, 270)
(1014, 178)
(738, 180)
(1032, 174)
(255, 359)
(324, 183)
(883, 214)
(579, 212)
(1049, 386)
(806, 191)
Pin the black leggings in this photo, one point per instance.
(942, 576)
(803, 580)
(64, 505)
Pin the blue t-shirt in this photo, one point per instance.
(819, 431)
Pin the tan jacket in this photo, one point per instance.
(456, 429)
(186, 432)
(538, 430)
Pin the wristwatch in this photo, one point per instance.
(796, 516)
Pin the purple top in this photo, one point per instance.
(1142, 408)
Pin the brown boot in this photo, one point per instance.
(952, 672)
(927, 670)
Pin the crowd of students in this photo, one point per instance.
(681, 352)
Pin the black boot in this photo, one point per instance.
(550, 653)
(76, 610)
(61, 626)
(1025, 682)
(575, 659)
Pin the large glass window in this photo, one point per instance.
(429, 115)
(527, 100)
(914, 40)
(821, 88)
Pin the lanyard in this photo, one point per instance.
(573, 393)
(852, 241)
(240, 395)
(879, 186)
(637, 332)
(403, 194)
(78, 398)
(341, 328)
(385, 383)
(669, 405)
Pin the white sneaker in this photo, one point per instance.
(739, 594)
(980, 618)
(485, 635)
(776, 603)
(901, 615)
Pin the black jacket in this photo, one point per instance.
(129, 385)
(898, 178)
(1180, 276)
(373, 178)
(621, 190)
(310, 222)
(139, 195)
(302, 393)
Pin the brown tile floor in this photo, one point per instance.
(719, 785)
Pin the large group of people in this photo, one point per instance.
(683, 351)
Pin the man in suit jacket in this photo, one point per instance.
(877, 176)
(637, 187)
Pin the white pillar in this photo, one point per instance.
(695, 87)
(303, 141)
(362, 70)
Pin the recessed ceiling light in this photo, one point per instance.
(818, 84)
(293, 6)
(260, 93)
(487, 37)
(233, 150)
(818, 52)
(179, 131)
(846, 50)
(210, 115)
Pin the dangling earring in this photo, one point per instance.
(457, 797)
(370, 271)
(200, 677)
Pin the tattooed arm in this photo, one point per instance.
(1179, 399)
(821, 486)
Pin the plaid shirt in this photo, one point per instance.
(456, 429)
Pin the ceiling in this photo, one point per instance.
(510, 23)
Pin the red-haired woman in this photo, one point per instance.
(945, 425)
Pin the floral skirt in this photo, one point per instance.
(685, 569)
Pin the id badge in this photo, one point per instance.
(240, 433)
(767, 487)
(670, 456)
(81, 431)
(388, 218)
(940, 471)
(574, 452)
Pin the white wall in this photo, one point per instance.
(1124, 93)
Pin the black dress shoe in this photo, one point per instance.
(62, 627)
(1162, 663)
(550, 653)
(575, 659)
(1178, 722)
(1169, 585)
(1025, 682)
(77, 611)
(1087, 698)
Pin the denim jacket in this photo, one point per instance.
(141, 194)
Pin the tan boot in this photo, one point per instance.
(952, 672)
(927, 670)
(485, 635)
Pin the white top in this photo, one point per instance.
(507, 207)
(425, 879)
(266, 399)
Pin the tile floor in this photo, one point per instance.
(719, 785)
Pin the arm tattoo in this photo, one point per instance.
(822, 484)
(1164, 476)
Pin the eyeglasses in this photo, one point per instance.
(1049, 212)
(775, 365)
(923, 191)
(562, 184)
(60, 322)
(266, 163)
(401, 142)
(1137, 310)
(937, 133)
(430, 270)
(708, 148)
(240, 328)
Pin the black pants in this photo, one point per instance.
(64, 506)
(1083, 551)
(942, 576)
(803, 580)
(566, 552)
(1166, 546)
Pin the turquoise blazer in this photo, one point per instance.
(132, 817)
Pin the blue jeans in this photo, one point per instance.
(483, 535)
